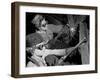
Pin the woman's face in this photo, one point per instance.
(43, 24)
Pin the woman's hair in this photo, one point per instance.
(37, 20)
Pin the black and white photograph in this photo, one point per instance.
(51, 39)
(57, 39)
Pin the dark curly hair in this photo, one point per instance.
(37, 20)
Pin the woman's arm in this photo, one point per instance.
(58, 52)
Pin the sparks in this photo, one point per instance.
(72, 29)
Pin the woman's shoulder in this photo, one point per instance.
(54, 28)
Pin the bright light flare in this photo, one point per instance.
(72, 29)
